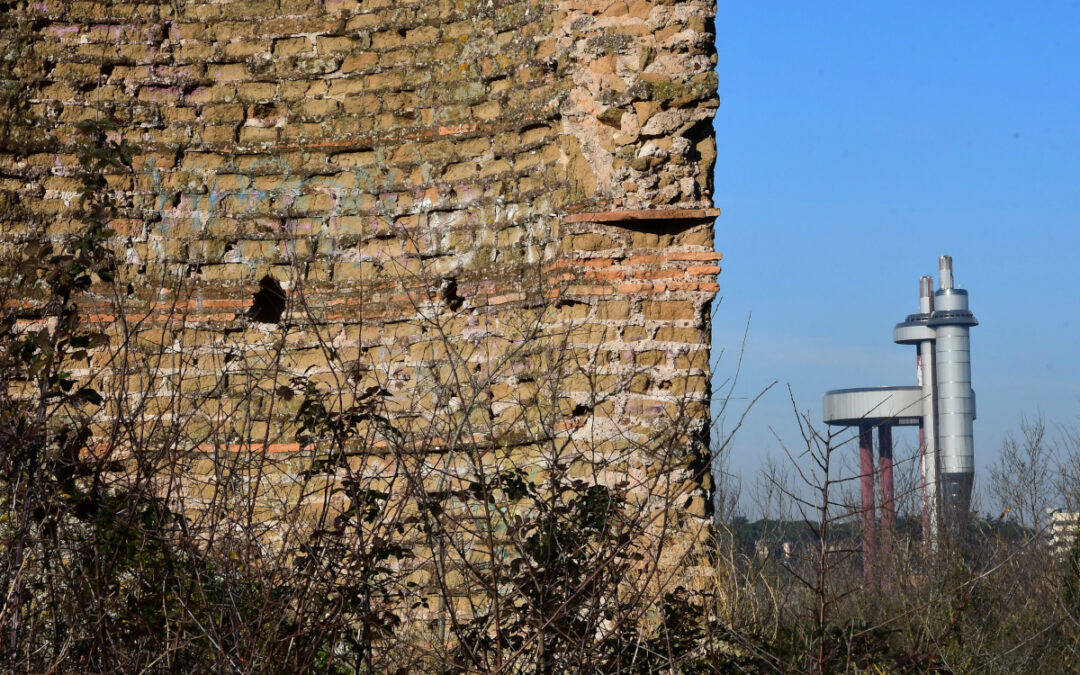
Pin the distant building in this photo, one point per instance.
(1064, 527)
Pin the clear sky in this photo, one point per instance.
(857, 142)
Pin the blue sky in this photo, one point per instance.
(857, 142)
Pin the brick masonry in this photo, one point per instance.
(512, 196)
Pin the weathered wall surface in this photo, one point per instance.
(459, 199)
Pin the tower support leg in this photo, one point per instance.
(924, 489)
(866, 489)
(888, 500)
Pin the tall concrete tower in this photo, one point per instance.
(942, 405)
(951, 323)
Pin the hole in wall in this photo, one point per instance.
(660, 227)
(581, 410)
(449, 294)
(261, 110)
(698, 132)
(702, 148)
(704, 319)
(269, 302)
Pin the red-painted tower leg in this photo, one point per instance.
(888, 502)
(866, 488)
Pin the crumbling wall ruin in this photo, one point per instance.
(502, 201)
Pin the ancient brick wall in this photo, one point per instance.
(493, 210)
